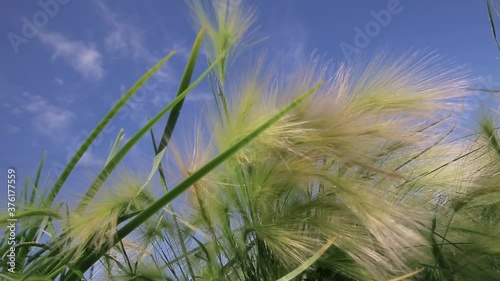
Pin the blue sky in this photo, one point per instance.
(58, 80)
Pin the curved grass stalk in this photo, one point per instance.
(34, 192)
(116, 145)
(186, 79)
(296, 272)
(169, 129)
(406, 276)
(113, 163)
(92, 137)
(104, 174)
(87, 261)
(163, 182)
(100, 127)
(492, 22)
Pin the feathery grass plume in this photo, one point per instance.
(367, 107)
(319, 164)
(228, 24)
(97, 227)
(486, 196)
(192, 156)
(437, 170)
(196, 155)
(189, 159)
(463, 232)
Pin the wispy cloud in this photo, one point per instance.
(11, 129)
(295, 52)
(128, 40)
(13, 108)
(124, 38)
(48, 119)
(90, 160)
(84, 59)
(59, 81)
(180, 49)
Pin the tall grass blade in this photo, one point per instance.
(186, 79)
(492, 22)
(87, 261)
(34, 192)
(116, 145)
(488, 130)
(113, 163)
(172, 121)
(176, 223)
(296, 272)
(156, 163)
(37, 179)
(406, 276)
(100, 127)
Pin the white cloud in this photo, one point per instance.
(180, 49)
(48, 119)
(11, 129)
(59, 81)
(14, 109)
(292, 50)
(84, 59)
(129, 40)
(91, 160)
(124, 38)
